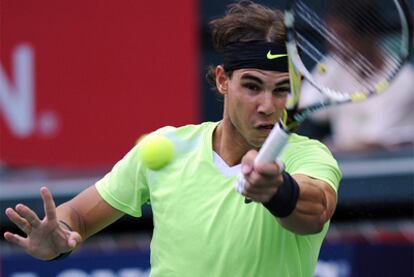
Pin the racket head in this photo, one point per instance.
(365, 41)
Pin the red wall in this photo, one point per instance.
(80, 80)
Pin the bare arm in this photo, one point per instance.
(316, 205)
(316, 202)
(87, 213)
(47, 238)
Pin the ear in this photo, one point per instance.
(222, 80)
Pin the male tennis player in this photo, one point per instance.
(202, 226)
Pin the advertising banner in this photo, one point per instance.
(80, 81)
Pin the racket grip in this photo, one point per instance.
(273, 145)
(270, 151)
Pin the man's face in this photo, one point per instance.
(254, 102)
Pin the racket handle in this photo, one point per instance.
(270, 151)
(273, 145)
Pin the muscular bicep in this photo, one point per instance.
(88, 212)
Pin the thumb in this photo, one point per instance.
(74, 240)
(248, 161)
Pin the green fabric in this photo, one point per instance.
(202, 227)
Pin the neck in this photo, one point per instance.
(229, 144)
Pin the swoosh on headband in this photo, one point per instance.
(270, 56)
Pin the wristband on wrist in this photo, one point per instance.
(63, 255)
(284, 201)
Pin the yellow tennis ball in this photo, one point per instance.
(156, 151)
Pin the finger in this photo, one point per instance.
(265, 175)
(20, 222)
(257, 179)
(48, 203)
(268, 169)
(256, 197)
(262, 196)
(74, 240)
(28, 214)
(248, 162)
(260, 189)
(246, 169)
(249, 157)
(280, 165)
(16, 239)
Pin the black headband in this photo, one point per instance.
(256, 54)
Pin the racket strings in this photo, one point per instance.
(317, 33)
(315, 54)
(359, 60)
(309, 49)
(374, 27)
(319, 27)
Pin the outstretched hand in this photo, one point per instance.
(45, 238)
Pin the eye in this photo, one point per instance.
(283, 90)
(252, 86)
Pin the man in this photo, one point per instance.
(202, 226)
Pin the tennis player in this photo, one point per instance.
(202, 225)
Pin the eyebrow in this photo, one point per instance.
(284, 82)
(249, 77)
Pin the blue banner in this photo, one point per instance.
(336, 260)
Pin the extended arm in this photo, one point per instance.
(314, 205)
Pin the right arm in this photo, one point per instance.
(47, 238)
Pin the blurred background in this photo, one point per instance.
(81, 81)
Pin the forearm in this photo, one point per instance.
(65, 213)
(87, 213)
(315, 206)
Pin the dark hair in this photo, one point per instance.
(245, 21)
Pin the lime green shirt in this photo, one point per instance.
(202, 227)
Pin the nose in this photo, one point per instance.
(266, 103)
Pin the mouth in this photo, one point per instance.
(265, 128)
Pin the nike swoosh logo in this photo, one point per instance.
(270, 56)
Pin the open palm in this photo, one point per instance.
(45, 238)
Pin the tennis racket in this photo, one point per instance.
(368, 40)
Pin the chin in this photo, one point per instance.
(256, 144)
(256, 139)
